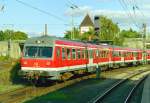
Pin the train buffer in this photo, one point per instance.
(146, 91)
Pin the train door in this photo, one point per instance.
(90, 57)
(135, 56)
(122, 56)
(90, 60)
(58, 58)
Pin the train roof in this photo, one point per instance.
(53, 39)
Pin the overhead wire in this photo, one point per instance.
(72, 4)
(40, 10)
(127, 11)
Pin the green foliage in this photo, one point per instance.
(10, 34)
(130, 34)
(4, 58)
(108, 29)
(74, 34)
(88, 36)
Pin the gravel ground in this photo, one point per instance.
(84, 91)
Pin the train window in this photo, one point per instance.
(100, 53)
(91, 53)
(63, 53)
(135, 54)
(68, 53)
(73, 53)
(116, 53)
(86, 54)
(83, 54)
(119, 54)
(97, 53)
(104, 54)
(78, 54)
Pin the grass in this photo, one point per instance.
(4, 58)
(5, 88)
(8, 74)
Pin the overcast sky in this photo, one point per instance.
(31, 16)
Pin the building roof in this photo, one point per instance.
(87, 21)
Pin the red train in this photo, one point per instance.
(58, 59)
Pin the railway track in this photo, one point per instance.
(122, 91)
(131, 94)
(26, 93)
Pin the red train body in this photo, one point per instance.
(56, 59)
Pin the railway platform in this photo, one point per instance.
(146, 91)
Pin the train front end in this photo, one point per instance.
(37, 58)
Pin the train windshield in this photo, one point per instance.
(38, 52)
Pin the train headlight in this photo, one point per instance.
(48, 63)
(38, 41)
(25, 62)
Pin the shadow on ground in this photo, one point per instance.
(15, 78)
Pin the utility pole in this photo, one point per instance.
(144, 43)
(72, 23)
(45, 34)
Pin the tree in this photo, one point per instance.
(108, 29)
(130, 34)
(88, 36)
(19, 36)
(75, 34)
(1, 35)
(10, 34)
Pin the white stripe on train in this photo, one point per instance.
(70, 68)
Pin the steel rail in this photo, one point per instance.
(134, 88)
(109, 90)
(28, 92)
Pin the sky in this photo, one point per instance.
(30, 15)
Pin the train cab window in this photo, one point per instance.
(68, 53)
(63, 53)
(39, 52)
(73, 53)
(45, 52)
(31, 51)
